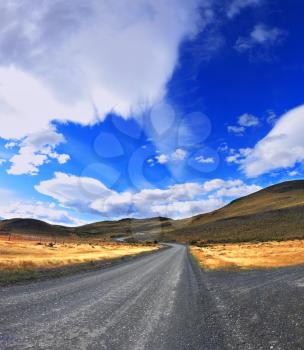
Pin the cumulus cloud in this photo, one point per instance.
(236, 6)
(178, 155)
(237, 191)
(248, 120)
(35, 150)
(282, 148)
(89, 195)
(245, 120)
(237, 157)
(13, 206)
(205, 160)
(238, 130)
(261, 36)
(38, 210)
(186, 209)
(76, 61)
(73, 191)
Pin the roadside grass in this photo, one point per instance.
(255, 255)
(22, 259)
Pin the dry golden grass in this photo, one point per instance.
(250, 255)
(19, 254)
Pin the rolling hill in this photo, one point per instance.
(33, 227)
(145, 229)
(276, 212)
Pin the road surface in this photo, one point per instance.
(160, 301)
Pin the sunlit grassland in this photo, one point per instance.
(250, 255)
(23, 257)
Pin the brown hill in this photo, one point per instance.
(139, 228)
(33, 227)
(276, 212)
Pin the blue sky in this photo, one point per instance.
(147, 108)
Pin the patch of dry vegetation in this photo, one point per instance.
(17, 254)
(21, 258)
(250, 255)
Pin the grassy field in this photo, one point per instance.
(22, 258)
(250, 255)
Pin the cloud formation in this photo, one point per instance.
(77, 61)
(178, 155)
(261, 37)
(38, 210)
(236, 6)
(88, 195)
(12, 206)
(248, 120)
(35, 150)
(245, 120)
(282, 148)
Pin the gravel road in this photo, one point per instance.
(160, 301)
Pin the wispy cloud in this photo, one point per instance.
(260, 41)
(236, 6)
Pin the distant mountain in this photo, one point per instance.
(140, 228)
(33, 227)
(276, 212)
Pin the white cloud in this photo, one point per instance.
(248, 120)
(244, 121)
(179, 210)
(223, 147)
(237, 191)
(293, 173)
(162, 159)
(271, 117)
(38, 210)
(205, 160)
(2, 161)
(91, 196)
(236, 6)
(11, 144)
(73, 191)
(260, 36)
(35, 150)
(237, 157)
(216, 184)
(238, 130)
(176, 156)
(76, 61)
(12, 206)
(264, 35)
(282, 148)
(179, 154)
